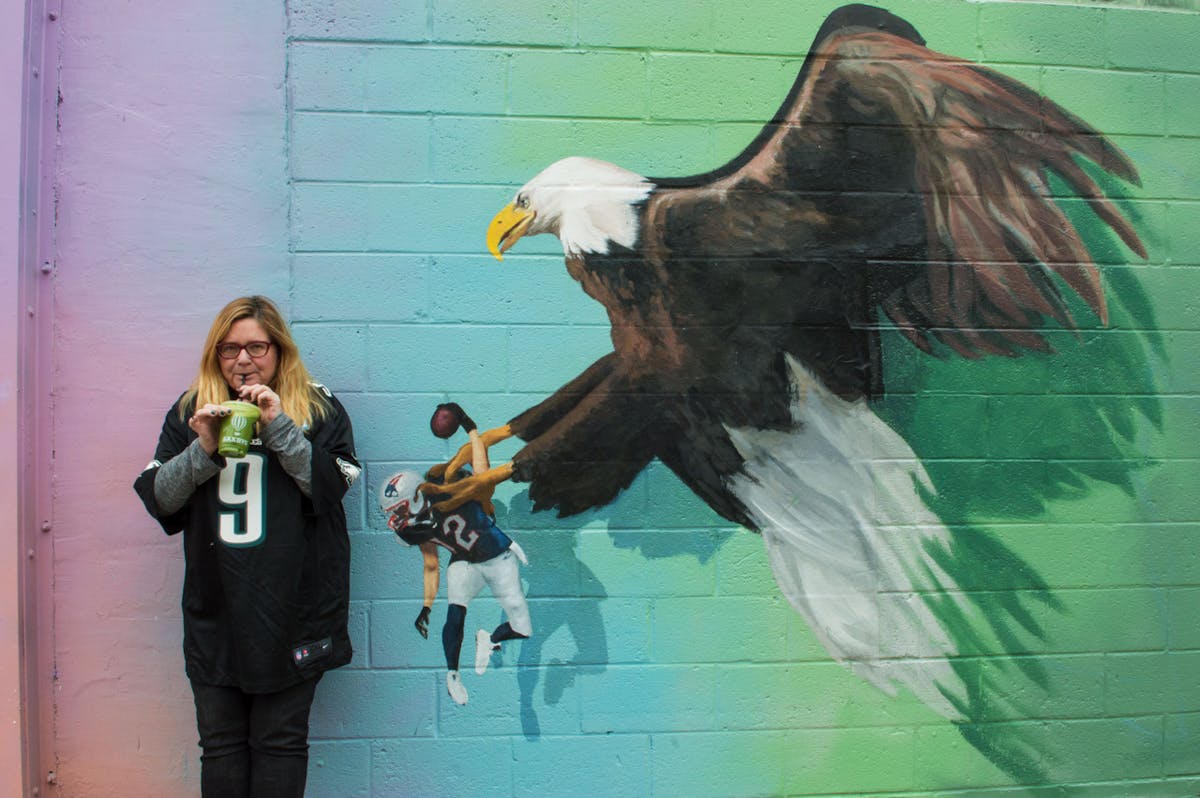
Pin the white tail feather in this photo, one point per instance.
(848, 535)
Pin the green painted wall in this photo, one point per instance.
(665, 661)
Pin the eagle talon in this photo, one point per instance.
(448, 472)
(476, 487)
(451, 497)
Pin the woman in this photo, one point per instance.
(266, 580)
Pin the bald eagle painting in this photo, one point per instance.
(896, 189)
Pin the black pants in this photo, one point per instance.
(254, 745)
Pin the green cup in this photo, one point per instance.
(237, 428)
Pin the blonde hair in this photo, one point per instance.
(302, 403)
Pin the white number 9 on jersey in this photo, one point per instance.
(243, 507)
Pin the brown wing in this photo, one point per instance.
(983, 146)
(930, 171)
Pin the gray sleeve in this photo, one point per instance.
(178, 478)
(293, 449)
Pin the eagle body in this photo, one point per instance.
(895, 187)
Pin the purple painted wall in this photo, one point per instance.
(172, 164)
(12, 35)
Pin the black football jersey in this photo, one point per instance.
(267, 569)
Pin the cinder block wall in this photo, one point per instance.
(346, 156)
(665, 662)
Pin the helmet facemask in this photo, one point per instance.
(402, 502)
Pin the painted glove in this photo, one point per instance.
(422, 622)
(463, 418)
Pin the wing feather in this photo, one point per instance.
(984, 145)
(876, 117)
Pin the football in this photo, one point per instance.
(444, 422)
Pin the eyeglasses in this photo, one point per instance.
(253, 349)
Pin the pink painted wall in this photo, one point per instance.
(12, 35)
(172, 164)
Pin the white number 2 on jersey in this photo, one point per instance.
(456, 526)
(243, 502)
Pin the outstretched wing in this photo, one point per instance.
(915, 181)
(983, 146)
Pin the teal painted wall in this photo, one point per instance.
(665, 663)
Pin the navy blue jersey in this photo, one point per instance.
(467, 531)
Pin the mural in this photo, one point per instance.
(896, 190)
(345, 158)
(480, 552)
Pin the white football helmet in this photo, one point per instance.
(401, 499)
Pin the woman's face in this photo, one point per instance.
(244, 368)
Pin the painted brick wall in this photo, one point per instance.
(345, 156)
(169, 166)
(666, 662)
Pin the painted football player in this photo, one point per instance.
(480, 552)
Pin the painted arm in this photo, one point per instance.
(479, 453)
(430, 576)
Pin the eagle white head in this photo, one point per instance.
(586, 202)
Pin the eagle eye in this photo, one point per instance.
(522, 201)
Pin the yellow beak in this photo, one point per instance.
(507, 227)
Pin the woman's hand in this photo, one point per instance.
(266, 399)
(206, 423)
